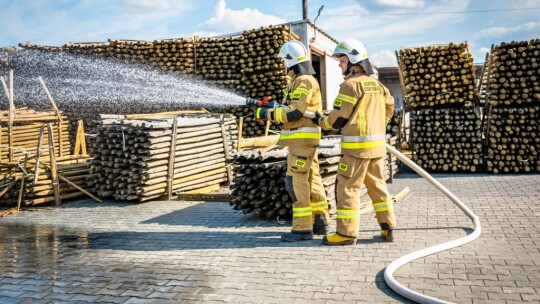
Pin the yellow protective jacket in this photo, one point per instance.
(362, 109)
(302, 99)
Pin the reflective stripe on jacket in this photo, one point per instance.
(362, 109)
(302, 99)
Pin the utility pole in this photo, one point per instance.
(304, 9)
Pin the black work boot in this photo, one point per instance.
(387, 232)
(295, 236)
(320, 225)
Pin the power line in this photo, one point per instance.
(436, 13)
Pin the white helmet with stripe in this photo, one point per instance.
(354, 49)
(293, 52)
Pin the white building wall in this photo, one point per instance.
(333, 79)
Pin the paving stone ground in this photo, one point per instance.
(204, 252)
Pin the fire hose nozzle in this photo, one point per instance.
(252, 102)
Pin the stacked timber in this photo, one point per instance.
(133, 51)
(40, 189)
(440, 87)
(262, 69)
(259, 184)
(97, 49)
(447, 139)
(23, 133)
(45, 48)
(176, 55)
(512, 107)
(146, 158)
(513, 140)
(435, 76)
(217, 60)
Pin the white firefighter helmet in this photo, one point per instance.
(354, 49)
(293, 52)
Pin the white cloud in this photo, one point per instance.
(403, 3)
(385, 28)
(384, 58)
(227, 20)
(55, 22)
(484, 50)
(499, 31)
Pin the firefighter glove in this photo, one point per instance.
(271, 104)
(260, 113)
(316, 118)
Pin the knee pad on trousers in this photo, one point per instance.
(290, 188)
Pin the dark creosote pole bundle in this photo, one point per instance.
(440, 90)
(512, 107)
(146, 158)
(259, 184)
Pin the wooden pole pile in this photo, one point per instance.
(447, 139)
(513, 140)
(440, 89)
(217, 60)
(70, 171)
(35, 155)
(262, 69)
(134, 51)
(146, 158)
(24, 137)
(259, 185)
(435, 76)
(512, 102)
(46, 48)
(98, 49)
(175, 55)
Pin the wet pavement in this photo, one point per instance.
(204, 252)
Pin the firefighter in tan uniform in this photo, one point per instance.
(362, 109)
(302, 136)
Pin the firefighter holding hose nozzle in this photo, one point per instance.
(302, 136)
(362, 109)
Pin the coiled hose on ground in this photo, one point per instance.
(389, 271)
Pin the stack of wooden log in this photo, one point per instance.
(447, 140)
(440, 88)
(23, 134)
(133, 51)
(513, 140)
(259, 184)
(146, 158)
(176, 55)
(39, 188)
(262, 69)
(512, 107)
(217, 60)
(46, 48)
(97, 49)
(438, 76)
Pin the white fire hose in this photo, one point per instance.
(388, 273)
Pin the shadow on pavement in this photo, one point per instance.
(214, 215)
(382, 286)
(164, 241)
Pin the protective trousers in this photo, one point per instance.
(352, 172)
(305, 187)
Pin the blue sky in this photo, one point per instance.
(383, 25)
